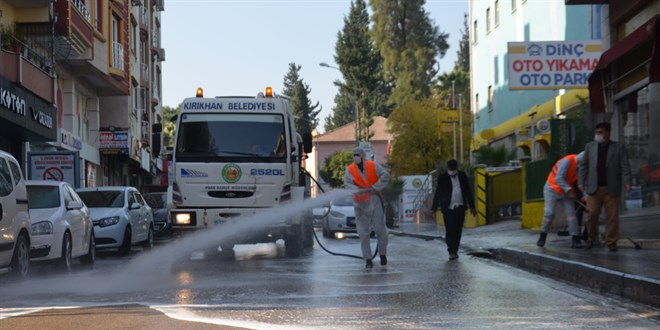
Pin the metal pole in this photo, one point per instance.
(453, 107)
(460, 123)
(453, 124)
(357, 116)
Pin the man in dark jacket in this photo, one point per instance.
(453, 196)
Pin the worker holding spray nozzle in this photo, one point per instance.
(368, 179)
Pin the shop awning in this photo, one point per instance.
(649, 31)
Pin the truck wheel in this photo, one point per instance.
(308, 234)
(293, 242)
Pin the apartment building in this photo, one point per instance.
(506, 115)
(93, 68)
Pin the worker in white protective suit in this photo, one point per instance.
(368, 179)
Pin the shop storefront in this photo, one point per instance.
(24, 117)
(625, 90)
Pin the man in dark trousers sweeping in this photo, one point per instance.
(453, 195)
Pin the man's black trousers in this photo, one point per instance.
(454, 220)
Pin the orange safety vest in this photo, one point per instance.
(571, 174)
(371, 179)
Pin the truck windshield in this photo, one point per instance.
(231, 137)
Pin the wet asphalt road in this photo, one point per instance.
(260, 289)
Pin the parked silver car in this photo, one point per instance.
(120, 216)
(61, 226)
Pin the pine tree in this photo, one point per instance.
(463, 52)
(410, 45)
(361, 65)
(297, 92)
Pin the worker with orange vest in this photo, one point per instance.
(369, 179)
(560, 188)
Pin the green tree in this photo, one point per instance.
(297, 92)
(361, 66)
(335, 168)
(418, 144)
(410, 45)
(463, 53)
(494, 156)
(168, 125)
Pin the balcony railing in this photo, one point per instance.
(144, 72)
(118, 56)
(155, 90)
(80, 6)
(12, 44)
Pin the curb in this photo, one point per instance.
(634, 287)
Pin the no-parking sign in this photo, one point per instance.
(56, 166)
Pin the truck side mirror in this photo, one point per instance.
(307, 142)
(156, 128)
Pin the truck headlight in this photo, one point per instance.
(182, 218)
(104, 222)
(42, 228)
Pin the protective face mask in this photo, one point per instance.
(599, 138)
(452, 173)
(357, 159)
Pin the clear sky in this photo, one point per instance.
(238, 47)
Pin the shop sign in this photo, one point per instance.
(114, 142)
(54, 165)
(552, 64)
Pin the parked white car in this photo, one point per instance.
(340, 217)
(121, 217)
(61, 226)
(14, 218)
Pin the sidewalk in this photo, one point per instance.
(630, 273)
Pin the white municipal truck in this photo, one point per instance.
(233, 157)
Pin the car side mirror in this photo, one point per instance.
(74, 205)
(135, 206)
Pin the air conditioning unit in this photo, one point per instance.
(136, 3)
(161, 54)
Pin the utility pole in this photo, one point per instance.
(460, 123)
(453, 107)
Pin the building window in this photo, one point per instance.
(134, 36)
(490, 98)
(641, 144)
(476, 104)
(488, 20)
(513, 5)
(98, 15)
(497, 13)
(475, 32)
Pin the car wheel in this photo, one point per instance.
(90, 257)
(125, 247)
(64, 261)
(20, 261)
(149, 243)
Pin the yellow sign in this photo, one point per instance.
(450, 116)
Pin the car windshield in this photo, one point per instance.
(155, 201)
(107, 198)
(43, 197)
(343, 201)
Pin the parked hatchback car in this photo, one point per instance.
(340, 217)
(61, 226)
(158, 203)
(14, 218)
(120, 216)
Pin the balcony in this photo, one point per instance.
(74, 26)
(118, 56)
(144, 74)
(28, 68)
(155, 93)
